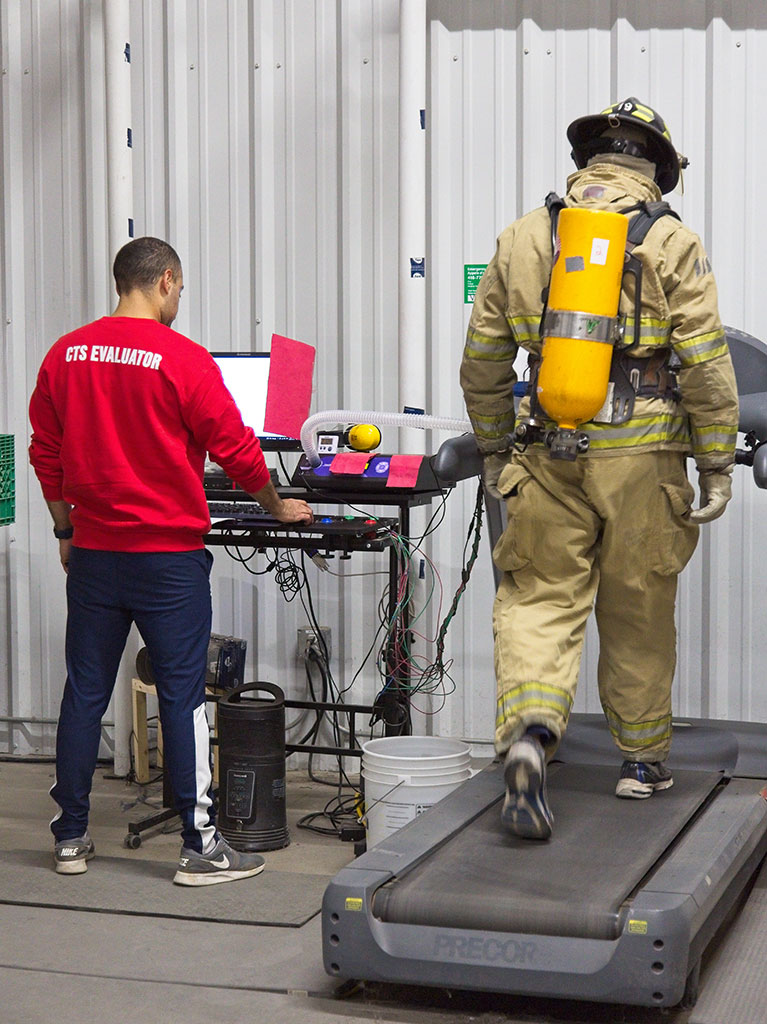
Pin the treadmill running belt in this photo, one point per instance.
(573, 885)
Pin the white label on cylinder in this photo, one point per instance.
(599, 247)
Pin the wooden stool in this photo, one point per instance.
(140, 737)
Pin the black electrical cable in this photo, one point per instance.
(339, 811)
(243, 559)
(333, 719)
(293, 578)
(321, 657)
(289, 576)
(309, 608)
(282, 466)
(323, 698)
(370, 650)
(432, 677)
(436, 672)
(315, 728)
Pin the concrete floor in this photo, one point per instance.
(103, 967)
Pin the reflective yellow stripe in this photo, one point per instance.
(480, 346)
(714, 438)
(643, 112)
(639, 734)
(651, 331)
(702, 348)
(525, 328)
(638, 431)
(492, 427)
(532, 695)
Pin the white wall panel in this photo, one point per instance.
(265, 149)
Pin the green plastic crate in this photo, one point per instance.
(7, 480)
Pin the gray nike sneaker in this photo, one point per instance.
(70, 855)
(222, 864)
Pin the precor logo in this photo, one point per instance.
(487, 950)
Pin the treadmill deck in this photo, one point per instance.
(574, 884)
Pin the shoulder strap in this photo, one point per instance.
(648, 214)
(554, 204)
(645, 218)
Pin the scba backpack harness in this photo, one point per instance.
(654, 376)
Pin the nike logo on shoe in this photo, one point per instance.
(223, 863)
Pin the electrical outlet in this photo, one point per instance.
(307, 638)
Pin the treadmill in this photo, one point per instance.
(620, 905)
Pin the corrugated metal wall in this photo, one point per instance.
(265, 150)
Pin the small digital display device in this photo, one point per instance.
(246, 375)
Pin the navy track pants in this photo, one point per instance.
(167, 595)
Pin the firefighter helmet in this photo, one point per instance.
(587, 137)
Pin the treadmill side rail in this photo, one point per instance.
(714, 861)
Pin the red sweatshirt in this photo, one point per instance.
(122, 416)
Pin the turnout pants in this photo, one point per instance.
(607, 533)
(167, 595)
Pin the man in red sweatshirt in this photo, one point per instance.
(123, 414)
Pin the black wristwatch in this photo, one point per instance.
(63, 534)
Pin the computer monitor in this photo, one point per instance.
(246, 375)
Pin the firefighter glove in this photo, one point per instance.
(715, 492)
(492, 468)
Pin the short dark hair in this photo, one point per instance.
(142, 262)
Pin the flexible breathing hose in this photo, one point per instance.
(396, 419)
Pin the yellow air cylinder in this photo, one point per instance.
(584, 293)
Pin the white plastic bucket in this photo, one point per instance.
(404, 775)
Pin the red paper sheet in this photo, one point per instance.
(403, 470)
(350, 463)
(289, 392)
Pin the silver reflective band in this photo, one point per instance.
(565, 323)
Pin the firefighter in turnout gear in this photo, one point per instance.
(613, 525)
